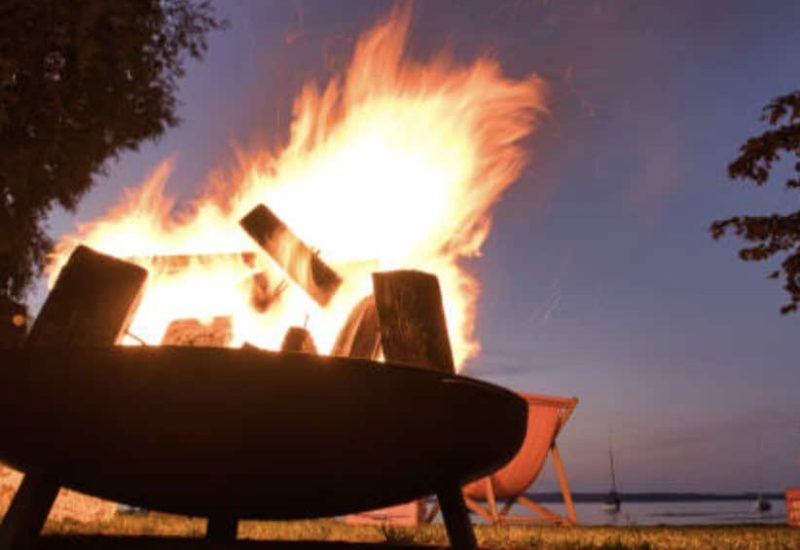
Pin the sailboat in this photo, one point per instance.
(761, 504)
(612, 502)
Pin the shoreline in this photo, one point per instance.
(586, 497)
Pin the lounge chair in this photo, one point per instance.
(546, 418)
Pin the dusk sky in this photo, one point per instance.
(600, 278)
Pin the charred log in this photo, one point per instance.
(191, 332)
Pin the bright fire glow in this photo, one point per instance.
(394, 164)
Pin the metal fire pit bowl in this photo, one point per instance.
(205, 431)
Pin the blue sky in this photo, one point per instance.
(600, 278)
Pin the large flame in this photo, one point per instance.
(394, 164)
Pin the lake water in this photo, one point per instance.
(672, 513)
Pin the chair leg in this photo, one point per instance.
(543, 511)
(28, 511)
(562, 482)
(431, 514)
(490, 498)
(478, 509)
(456, 518)
(222, 528)
(507, 507)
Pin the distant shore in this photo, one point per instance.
(657, 497)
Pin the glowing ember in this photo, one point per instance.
(394, 165)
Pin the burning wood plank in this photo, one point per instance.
(411, 318)
(360, 337)
(262, 295)
(301, 263)
(175, 263)
(91, 304)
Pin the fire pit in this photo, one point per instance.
(202, 431)
(248, 433)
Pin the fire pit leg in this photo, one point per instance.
(90, 305)
(456, 518)
(222, 528)
(28, 511)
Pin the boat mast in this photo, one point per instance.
(611, 462)
(758, 466)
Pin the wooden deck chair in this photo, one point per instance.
(546, 418)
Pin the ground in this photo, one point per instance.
(159, 531)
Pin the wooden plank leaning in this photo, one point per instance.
(91, 304)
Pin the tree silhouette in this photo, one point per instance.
(80, 82)
(776, 234)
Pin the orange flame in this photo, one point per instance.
(394, 164)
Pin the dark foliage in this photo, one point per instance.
(776, 234)
(81, 81)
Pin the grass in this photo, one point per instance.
(743, 537)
